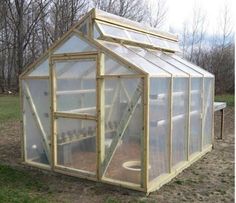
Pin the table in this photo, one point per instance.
(220, 106)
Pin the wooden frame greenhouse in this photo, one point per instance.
(112, 101)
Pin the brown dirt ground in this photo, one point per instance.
(211, 179)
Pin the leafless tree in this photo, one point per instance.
(157, 13)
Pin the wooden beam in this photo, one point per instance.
(77, 55)
(100, 113)
(35, 78)
(74, 116)
(145, 136)
(122, 76)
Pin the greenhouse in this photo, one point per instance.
(113, 101)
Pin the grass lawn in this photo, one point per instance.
(9, 108)
(19, 186)
(228, 98)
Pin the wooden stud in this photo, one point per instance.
(145, 136)
(35, 78)
(100, 114)
(53, 107)
(213, 115)
(122, 76)
(74, 116)
(74, 56)
(22, 123)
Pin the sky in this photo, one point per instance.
(180, 11)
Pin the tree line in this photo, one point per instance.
(29, 27)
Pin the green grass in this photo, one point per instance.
(228, 98)
(19, 186)
(9, 108)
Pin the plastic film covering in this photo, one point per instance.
(123, 129)
(36, 103)
(193, 66)
(74, 44)
(112, 67)
(159, 126)
(84, 27)
(179, 65)
(138, 37)
(151, 55)
(76, 144)
(195, 116)
(96, 32)
(135, 59)
(76, 86)
(113, 31)
(42, 69)
(208, 111)
(165, 44)
(179, 120)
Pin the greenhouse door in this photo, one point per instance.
(74, 113)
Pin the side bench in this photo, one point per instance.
(220, 106)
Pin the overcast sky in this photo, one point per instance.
(180, 11)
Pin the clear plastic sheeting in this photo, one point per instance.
(179, 120)
(151, 56)
(113, 30)
(137, 60)
(208, 111)
(96, 32)
(112, 67)
(124, 130)
(76, 86)
(195, 116)
(40, 94)
(36, 120)
(159, 126)
(191, 65)
(76, 144)
(138, 37)
(179, 65)
(42, 69)
(74, 44)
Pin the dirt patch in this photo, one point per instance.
(211, 179)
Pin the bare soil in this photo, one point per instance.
(211, 179)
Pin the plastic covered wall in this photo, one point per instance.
(208, 111)
(123, 124)
(195, 116)
(36, 115)
(180, 120)
(159, 126)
